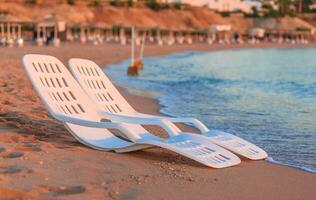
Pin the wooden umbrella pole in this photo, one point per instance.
(143, 46)
(132, 69)
(19, 31)
(8, 30)
(2, 30)
(133, 45)
(13, 30)
(55, 32)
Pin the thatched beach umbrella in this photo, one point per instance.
(48, 28)
(220, 32)
(286, 25)
(11, 29)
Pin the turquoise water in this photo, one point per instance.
(267, 96)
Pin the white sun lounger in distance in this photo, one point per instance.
(67, 102)
(113, 106)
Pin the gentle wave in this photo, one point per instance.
(271, 160)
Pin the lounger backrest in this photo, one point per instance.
(99, 86)
(56, 87)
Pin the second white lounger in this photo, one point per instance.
(66, 101)
(113, 106)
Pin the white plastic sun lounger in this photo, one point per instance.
(67, 102)
(93, 80)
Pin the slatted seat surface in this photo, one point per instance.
(99, 87)
(58, 88)
(237, 145)
(197, 149)
(61, 94)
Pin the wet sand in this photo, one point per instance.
(39, 159)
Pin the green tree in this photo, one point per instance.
(130, 3)
(177, 6)
(31, 1)
(95, 3)
(305, 5)
(271, 12)
(152, 4)
(71, 2)
(285, 6)
(116, 3)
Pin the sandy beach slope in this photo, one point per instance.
(39, 159)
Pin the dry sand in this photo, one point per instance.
(39, 159)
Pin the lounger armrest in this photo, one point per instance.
(195, 122)
(97, 124)
(170, 128)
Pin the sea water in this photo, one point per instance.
(266, 96)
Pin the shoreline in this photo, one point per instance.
(126, 89)
(37, 145)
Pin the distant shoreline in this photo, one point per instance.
(198, 47)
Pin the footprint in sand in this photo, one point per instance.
(2, 149)
(11, 170)
(71, 190)
(30, 146)
(14, 154)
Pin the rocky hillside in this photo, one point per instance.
(85, 12)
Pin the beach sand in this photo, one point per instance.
(39, 159)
